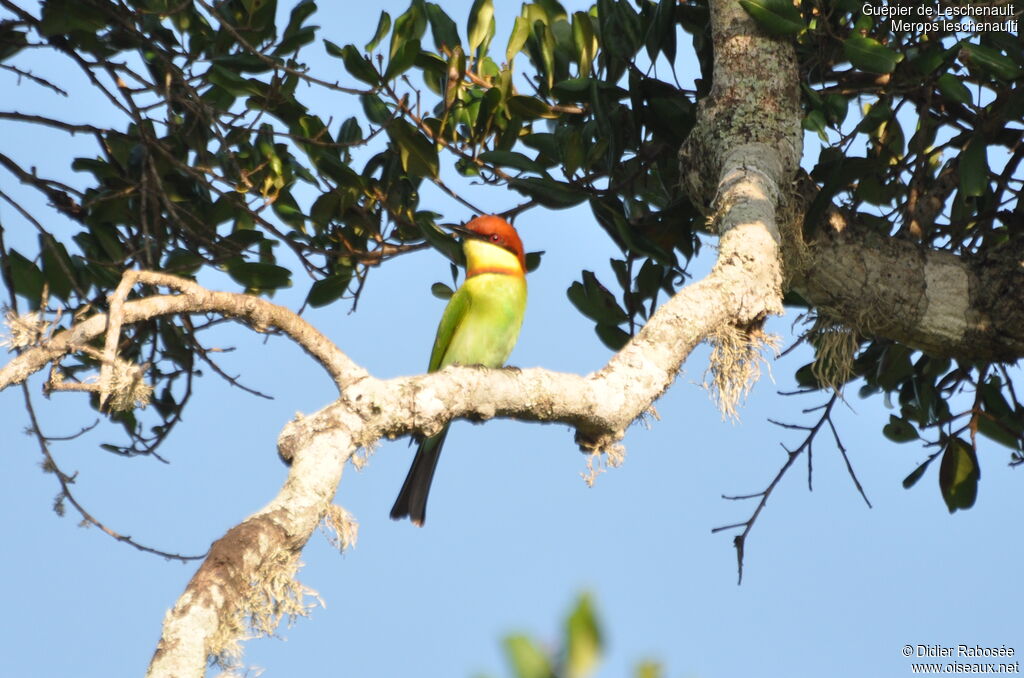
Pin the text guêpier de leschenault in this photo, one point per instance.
(926, 18)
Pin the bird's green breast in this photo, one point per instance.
(489, 327)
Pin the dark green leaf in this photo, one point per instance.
(805, 377)
(649, 279)
(815, 122)
(512, 159)
(302, 11)
(418, 154)
(403, 59)
(611, 336)
(383, 26)
(65, 16)
(182, 262)
(58, 268)
(992, 398)
(530, 108)
(593, 300)
(775, 17)
(548, 192)
(1005, 431)
(440, 240)
(661, 34)
(11, 42)
(288, 210)
(544, 41)
(585, 41)
(533, 261)
(959, 475)
(929, 60)
(952, 87)
(574, 153)
(869, 55)
(355, 63)
(256, 275)
(350, 132)
(377, 112)
(446, 33)
(546, 144)
(974, 168)
(990, 61)
(916, 474)
(109, 240)
(325, 291)
(325, 208)
(411, 25)
(297, 40)
(441, 291)
(836, 106)
(231, 82)
(899, 430)
(26, 278)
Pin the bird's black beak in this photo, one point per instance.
(462, 230)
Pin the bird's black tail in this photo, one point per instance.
(412, 500)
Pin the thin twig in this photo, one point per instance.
(806, 446)
(205, 357)
(66, 480)
(34, 78)
(49, 463)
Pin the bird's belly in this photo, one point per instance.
(490, 330)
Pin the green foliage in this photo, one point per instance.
(934, 111)
(870, 55)
(185, 183)
(776, 17)
(959, 474)
(220, 165)
(578, 654)
(583, 642)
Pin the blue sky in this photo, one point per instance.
(513, 534)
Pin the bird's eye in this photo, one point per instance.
(494, 237)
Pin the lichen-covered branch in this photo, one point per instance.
(752, 158)
(260, 314)
(747, 143)
(967, 306)
(241, 578)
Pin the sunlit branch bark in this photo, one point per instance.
(969, 307)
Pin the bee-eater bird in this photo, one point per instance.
(480, 326)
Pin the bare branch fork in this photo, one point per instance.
(740, 540)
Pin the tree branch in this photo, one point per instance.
(742, 290)
(969, 306)
(258, 313)
(743, 157)
(744, 287)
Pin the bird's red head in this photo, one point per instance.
(497, 231)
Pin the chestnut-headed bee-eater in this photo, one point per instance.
(480, 326)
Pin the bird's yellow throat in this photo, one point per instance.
(485, 257)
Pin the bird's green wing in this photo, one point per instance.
(454, 314)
